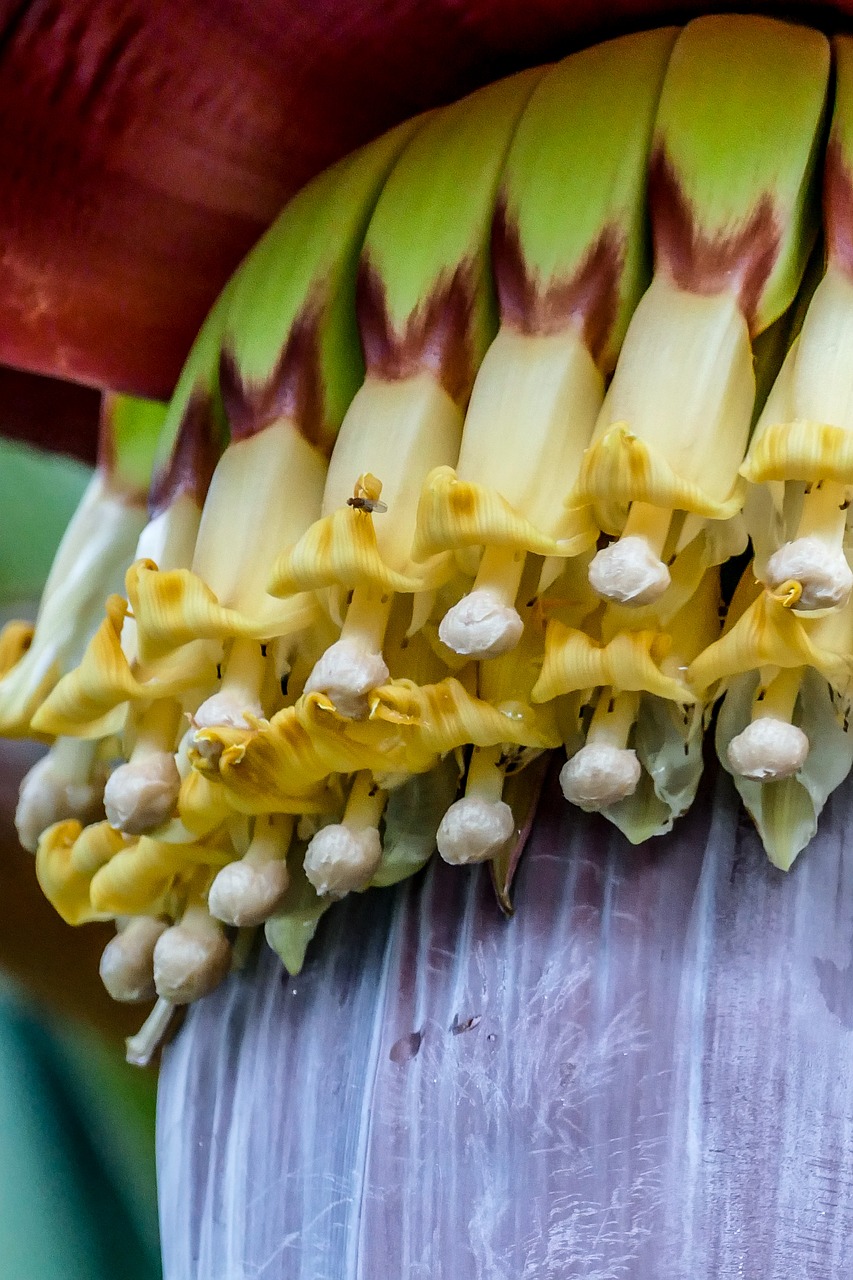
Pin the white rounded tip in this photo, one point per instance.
(346, 673)
(339, 860)
(626, 572)
(127, 962)
(223, 710)
(226, 710)
(824, 576)
(599, 775)
(480, 626)
(45, 798)
(768, 749)
(188, 963)
(473, 830)
(245, 895)
(141, 795)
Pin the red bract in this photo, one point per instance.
(145, 144)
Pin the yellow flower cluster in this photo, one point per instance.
(406, 579)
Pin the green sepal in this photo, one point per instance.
(786, 813)
(668, 742)
(412, 819)
(291, 929)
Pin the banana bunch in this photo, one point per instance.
(447, 484)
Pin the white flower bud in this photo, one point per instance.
(142, 794)
(347, 673)
(481, 626)
(46, 797)
(244, 894)
(822, 572)
(189, 961)
(600, 774)
(768, 749)
(340, 860)
(127, 962)
(627, 572)
(474, 829)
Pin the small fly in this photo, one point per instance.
(372, 505)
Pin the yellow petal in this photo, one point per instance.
(697, 623)
(444, 716)
(95, 846)
(342, 550)
(90, 701)
(278, 770)
(202, 809)
(138, 880)
(631, 661)
(66, 880)
(769, 634)
(15, 640)
(801, 451)
(622, 468)
(24, 687)
(454, 513)
(176, 607)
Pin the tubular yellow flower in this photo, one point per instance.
(425, 322)
(567, 247)
(782, 728)
(729, 186)
(289, 366)
(638, 759)
(804, 438)
(90, 562)
(478, 826)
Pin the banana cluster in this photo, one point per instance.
(447, 483)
